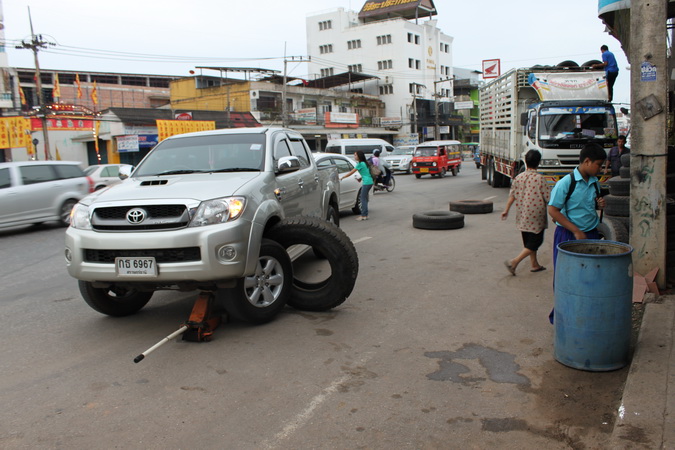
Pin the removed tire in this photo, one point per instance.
(260, 297)
(617, 206)
(339, 253)
(438, 220)
(619, 186)
(472, 206)
(624, 172)
(625, 160)
(613, 230)
(116, 302)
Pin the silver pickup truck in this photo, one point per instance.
(194, 215)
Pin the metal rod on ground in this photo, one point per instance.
(178, 332)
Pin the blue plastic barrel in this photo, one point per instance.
(593, 302)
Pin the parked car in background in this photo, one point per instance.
(32, 192)
(104, 174)
(401, 158)
(350, 187)
(349, 146)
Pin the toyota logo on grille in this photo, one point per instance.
(136, 215)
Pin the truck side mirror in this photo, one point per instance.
(523, 119)
(125, 172)
(288, 164)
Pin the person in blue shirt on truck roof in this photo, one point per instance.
(574, 200)
(611, 69)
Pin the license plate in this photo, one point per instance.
(424, 169)
(136, 267)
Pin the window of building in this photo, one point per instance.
(410, 37)
(158, 82)
(445, 48)
(417, 39)
(384, 39)
(327, 72)
(386, 64)
(386, 89)
(356, 91)
(134, 81)
(327, 48)
(108, 79)
(325, 25)
(414, 63)
(414, 38)
(355, 68)
(415, 88)
(354, 44)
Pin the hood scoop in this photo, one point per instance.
(154, 182)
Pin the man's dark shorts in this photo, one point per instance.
(532, 241)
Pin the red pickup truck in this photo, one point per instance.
(436, 158)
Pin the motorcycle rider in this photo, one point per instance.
(384, 178)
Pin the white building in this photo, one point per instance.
(399, 44)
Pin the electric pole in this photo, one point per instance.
(284, 112)
(437, 131)
(36, 44)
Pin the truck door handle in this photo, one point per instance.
(301, 184)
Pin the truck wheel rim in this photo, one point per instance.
(265, 286)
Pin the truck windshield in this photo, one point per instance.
(563, 123)
(198, 154)
(425, 151)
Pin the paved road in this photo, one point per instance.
(437, 347)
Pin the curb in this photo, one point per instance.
(646, 416)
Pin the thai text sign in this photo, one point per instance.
(14, 132)
(166, 128)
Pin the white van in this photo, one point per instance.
(347, 147)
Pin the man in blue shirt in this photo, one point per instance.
(575, 213)
(611, 69)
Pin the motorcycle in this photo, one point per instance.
(389, 187)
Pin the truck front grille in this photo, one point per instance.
(154, 217)
(163, 255)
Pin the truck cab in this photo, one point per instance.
(436, 158)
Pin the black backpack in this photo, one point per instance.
(573, 184)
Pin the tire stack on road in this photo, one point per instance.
(616, 218)
(453, 219)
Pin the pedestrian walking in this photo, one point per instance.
(363, 168)
(611, 69)
(530, 193)
(613, 161)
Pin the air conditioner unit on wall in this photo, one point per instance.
(388, 80)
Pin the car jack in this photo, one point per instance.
(199, 327)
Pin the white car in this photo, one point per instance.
(350, 187)
(104, 174)
(401, 159)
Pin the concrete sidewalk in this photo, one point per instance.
(646, 418)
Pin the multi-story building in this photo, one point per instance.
(467, 82)
(397, 42)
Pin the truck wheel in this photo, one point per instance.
(333, 215)
(472, 206)
(454, 171)
(339, 252)
(443, 172)
(612, 230)
(483, 171)
(418, 175)
(116, 302)
(490, 172)
(438, 220)
(260, 297)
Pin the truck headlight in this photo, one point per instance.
(80, 218)
(218, 210)
(549, 162)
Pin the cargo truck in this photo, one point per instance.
(554, 110)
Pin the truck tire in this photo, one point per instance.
(619, 186)
(357, 206)
(438, 220)
(625, 160)
(591, 62)
(624, 172)
(339, 252)
(490, 172)
(333, 215)
(472, 206)
(483, 171)
(260, 297)
(443, 172)
(454, 171)
(497, 178)
(113, 302)
(613, 230)
(617, 206)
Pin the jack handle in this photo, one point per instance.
(178, 332)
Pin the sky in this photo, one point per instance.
(156, 37)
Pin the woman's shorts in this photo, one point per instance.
(532, 241)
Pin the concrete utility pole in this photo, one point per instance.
(36, 43)
(649, 151)
(284, 112)
(437, 131)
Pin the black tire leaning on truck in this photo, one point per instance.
(115, 303)
(337, 249)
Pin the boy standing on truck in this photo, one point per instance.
(574, 199)
(530, 193)
(611, 69)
